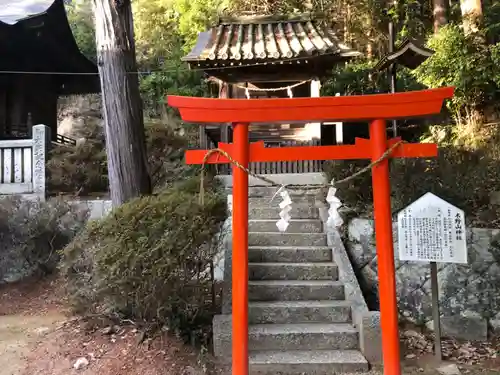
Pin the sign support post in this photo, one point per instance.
(374, 108)
(436, 316)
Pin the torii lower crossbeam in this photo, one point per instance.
(374, 108)
(361, 150)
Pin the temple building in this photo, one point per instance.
(40, 62)
(270, 57)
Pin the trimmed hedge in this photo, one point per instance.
(148, 259)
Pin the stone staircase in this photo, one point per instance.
(299, 319)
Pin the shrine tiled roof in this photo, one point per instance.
(272, 39)
(408, 53)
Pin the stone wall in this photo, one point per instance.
(469, 294)
(76, 110)
(97, 208)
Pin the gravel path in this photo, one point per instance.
(18, 333)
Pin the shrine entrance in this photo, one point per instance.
(375, 109)
(270, 56)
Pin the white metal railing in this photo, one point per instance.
(22, 163)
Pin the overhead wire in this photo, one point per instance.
(167, 71)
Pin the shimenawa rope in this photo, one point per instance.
(363, 170)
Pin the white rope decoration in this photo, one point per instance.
(334, 218)
(286, 207)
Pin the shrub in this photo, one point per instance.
(32, 232)
(148, 259)
(357, 77)
(465, 62)
(463, 176)
(83, 169)
(166, 151)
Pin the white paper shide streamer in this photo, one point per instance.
(334, 218)
(286, 207)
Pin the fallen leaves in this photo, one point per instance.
(468, 353)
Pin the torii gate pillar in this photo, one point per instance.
(376, 109)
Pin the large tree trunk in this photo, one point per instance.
(440, 12)
(472, 15)
(122, 106)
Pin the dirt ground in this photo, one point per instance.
(39, 337)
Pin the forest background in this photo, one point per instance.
(465, 35)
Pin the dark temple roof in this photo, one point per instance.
(409, 53)
(273, 38)
(35, 36)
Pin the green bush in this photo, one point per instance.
(463, 177)
(465, 62)
(166, 151)
(148, 259)
(82, 168)
(32, 232)
(357, 77)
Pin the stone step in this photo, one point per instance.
(299, 362)
(286, 239)
(296, 226)
(293, 271)
(256, 202)
(298, 290)
(292, 254)
(283, 312)
(268, 191)
(305, 336)
(272, 212)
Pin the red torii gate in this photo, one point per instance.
(373, 108)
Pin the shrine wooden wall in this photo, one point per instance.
(27, 100)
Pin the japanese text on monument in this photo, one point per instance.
(430, 229)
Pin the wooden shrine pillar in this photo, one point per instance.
(224, 93)
(203, 137)
(3, 110)
(16, 104)
(314, 128)
(41, 102)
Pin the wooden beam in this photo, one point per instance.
(284, 76)
(325, 109)
(272, 70)
(360, 150)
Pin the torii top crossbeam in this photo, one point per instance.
(338, 108)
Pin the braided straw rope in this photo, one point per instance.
(274, 89)
(363, 170)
